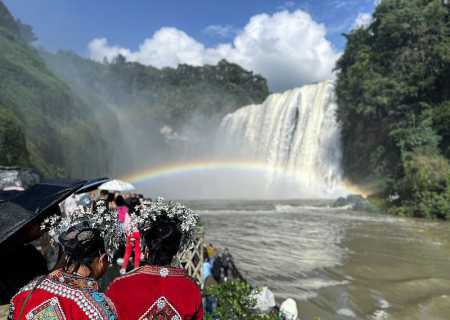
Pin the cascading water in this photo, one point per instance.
(295, 133)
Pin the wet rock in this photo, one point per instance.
(355, 202)
(16, 177)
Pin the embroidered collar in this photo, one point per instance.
(74, 281)
(161, 271)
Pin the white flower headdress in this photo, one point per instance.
(100, 218)
(150, 211)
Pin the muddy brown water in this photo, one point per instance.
(337, 263)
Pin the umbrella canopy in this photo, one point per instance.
(92, 185)
(30, 204)
(8, 195)
(117, 185)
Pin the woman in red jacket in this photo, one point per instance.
(157, 290)
(72, 292)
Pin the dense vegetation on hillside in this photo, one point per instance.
(13, 149)
(42, 123)
(172, 95)
(159, 114)
(393, 93)
(76, 117)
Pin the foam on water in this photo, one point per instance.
(337, 264)
(318, 283)
(280, 249)
(346, 313)
(380, 315)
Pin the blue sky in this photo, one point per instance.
(126, 24)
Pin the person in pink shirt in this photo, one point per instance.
(132, 235)
(122, 209)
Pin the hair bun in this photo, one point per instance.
(82, 243)
(163, 239)
(163, 229)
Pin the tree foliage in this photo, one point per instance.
(50, 123)
(71, 109)
(394, 95)
(424, 189)
(172, 95)
(13, 149)
(234, 302)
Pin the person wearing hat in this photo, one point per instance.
(72, 292)
(158, 290)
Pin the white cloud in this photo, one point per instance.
(100, 49)
(167, 48)
(223, 31)
(288, 48)
(363, 20)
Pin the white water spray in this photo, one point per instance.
(296, 131)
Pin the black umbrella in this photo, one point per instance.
(92, 185)
(8, 195)
(30, 204)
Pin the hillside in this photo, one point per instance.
(394, 106)
(161, 114)
(172, 95)
(81, 118)
(40, 110)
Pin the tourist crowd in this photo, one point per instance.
(95, 231)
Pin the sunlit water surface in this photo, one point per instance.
(336, 263)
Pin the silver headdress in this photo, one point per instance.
(101, 218)
(150, 211)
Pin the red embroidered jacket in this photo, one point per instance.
(160, 293)
(62, 296)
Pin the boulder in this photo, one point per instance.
(354, 202)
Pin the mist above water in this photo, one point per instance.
(286, 147)
(296, 135)
(292, 137)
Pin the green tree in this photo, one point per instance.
(13, 149)
(424, 189)
(393, 98)
(234, 302)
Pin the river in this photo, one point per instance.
(336, 263)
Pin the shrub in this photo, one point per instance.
(234, 302)
(424, 191)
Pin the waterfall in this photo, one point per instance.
(294, 132)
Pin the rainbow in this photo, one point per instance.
(180, 168)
